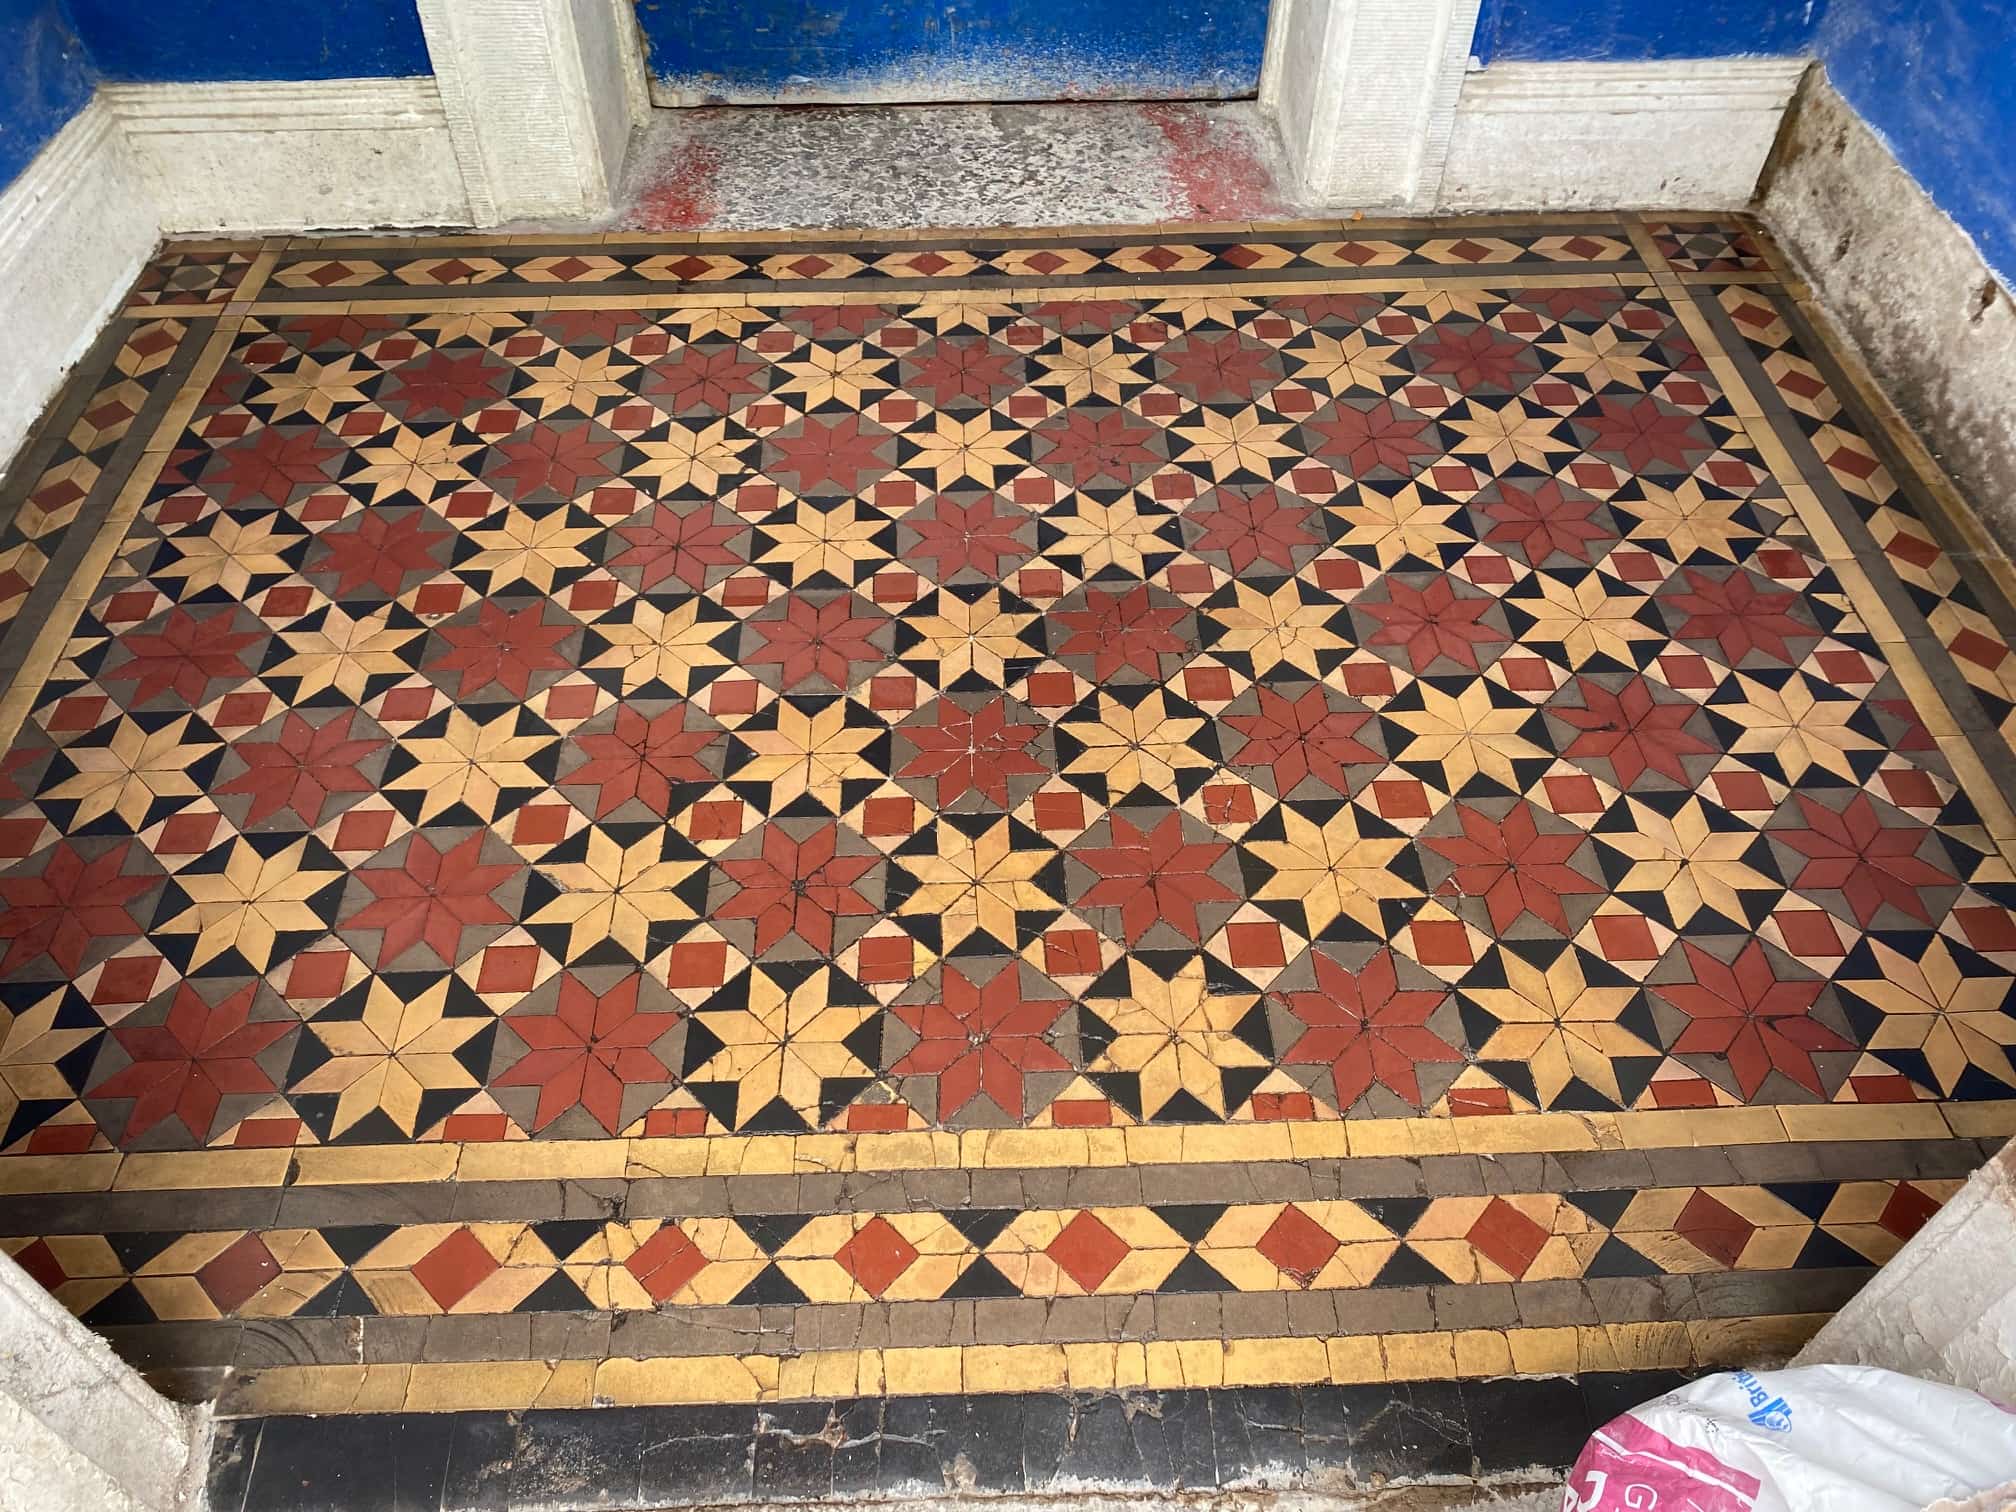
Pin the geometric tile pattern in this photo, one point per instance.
(615, 266)
(1360, 688)
(53, 480)
(192, 273)
(1159, 710)
(565, 1265)
(1708, 247)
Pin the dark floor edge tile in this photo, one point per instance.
(1228, 1438)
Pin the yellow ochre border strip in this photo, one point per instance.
(977, 1369)
(999, 1149)
(513, 303)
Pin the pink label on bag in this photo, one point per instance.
(1629, 1467)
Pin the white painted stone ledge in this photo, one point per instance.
(1944, 1308)
(79, 1431)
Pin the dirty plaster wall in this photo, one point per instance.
(45, 78)
(193, 41)
(1937, 80)
(1616, 31)
(912, 51)
(1907, 283)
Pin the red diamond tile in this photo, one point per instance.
(1907, 1211)
(1507, 1237)
(1713, 1229)
(1298, 1245)
(454, 1268)
(1071, 952)
(666, 1262)
(1441, 942)
(233, 1277)
(1978, 649)
(1625, 937)
(1256, 944)
(42, 1265)
(876, 1255)
(1087, 1251)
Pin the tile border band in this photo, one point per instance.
(1930, 493)
(317, 1204)
(682, 1330)
(1874, 590)
(768, 294)
(633, 293)
(989, 1369)
(47, 648)
(67, 547)
(997, 1149)
(610, 1266)
(65, 409)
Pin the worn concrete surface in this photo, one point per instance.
(951, 166)
(1936, 328)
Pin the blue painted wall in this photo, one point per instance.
(747, 51)
(1623, 30)
(1938, 79)
(45, 79)
(186, 41)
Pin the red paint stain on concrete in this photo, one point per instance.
(682, 198)
(1216, 174)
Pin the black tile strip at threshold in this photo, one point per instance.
(1237, 1438)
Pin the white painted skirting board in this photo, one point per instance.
(144, 160)
(330, 154)
(1605, 136)
(75, 229)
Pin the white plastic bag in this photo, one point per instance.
(1824, 1438)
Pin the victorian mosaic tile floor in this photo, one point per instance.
(643, 820)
